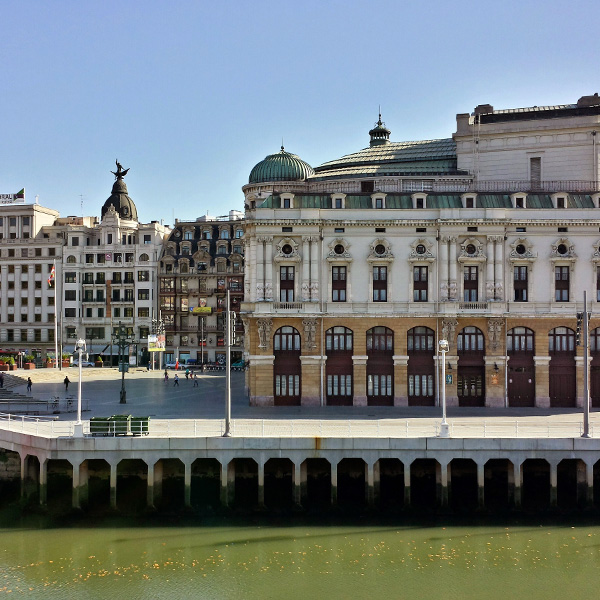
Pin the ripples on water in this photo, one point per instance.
(233, 560)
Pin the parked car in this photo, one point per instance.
(171, 365)
(240, 365)
(84, 363)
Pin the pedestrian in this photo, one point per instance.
(176, 380)
(29, 383)
(66, 382)
(187, 373)
(1, 380)
(166, 376)
(195, 380)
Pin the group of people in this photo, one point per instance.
(188, 375)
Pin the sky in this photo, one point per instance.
(190, 95)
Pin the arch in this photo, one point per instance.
(421, 366)
(351, 480)
(471, 367)
(463, 490)
(59, 484)
(279, 483)
(144, 257)
(391, 483)
(499, 484)
(132, 485)
(380, 366)
(520, 347)
(536, 484)
(205, 486)
(317, 474)
(339, 345)
(71, 259)
(563, 378)
(245, 494)
(287, 368)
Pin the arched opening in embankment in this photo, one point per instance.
(206, 484)
(571, 484)
(60, 485)
(31, 479)
(536, 484)
(462, 485)
(391, 483)
(351, 492)
(169, 485)
(132, 485)
(97, 494)
(279, 484)
(498, 487)
(425, 477)
(318, 483)
(10, 477)
(245, 483)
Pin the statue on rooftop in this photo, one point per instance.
(120, 173)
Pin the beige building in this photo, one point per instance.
(357, 268)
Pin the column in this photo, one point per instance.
(261, 484)
(370, 496)
(452, 387)
(453, 283)
(582, 485)
(75, 499)
(269, 269)
(227, 470)
(443, 269)
(43, 481)
(481, 485)
(589, 473)
(334, 484)
(489, 278)
(311, 380)
(517, 481)
(23, 474)
(499, 269)
(400, 380)
(316, 285)
(494, 381)
(113, 486)
(406, 486)
(305, 283)
(150, 485)
(158, 481)
(84, 479)
(442, 487)
(298, 484)
(553, 484)
(260, 270)
(542, 381)
(360, 380)
(187, 483)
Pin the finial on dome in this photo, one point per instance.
(380, 134)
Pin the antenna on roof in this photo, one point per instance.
(282, 146)
(81, 199)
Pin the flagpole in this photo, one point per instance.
(55, 317)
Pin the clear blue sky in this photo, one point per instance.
(190, 95)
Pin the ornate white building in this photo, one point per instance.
(355, 269)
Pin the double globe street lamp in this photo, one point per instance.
(80, 348)
(444, 427)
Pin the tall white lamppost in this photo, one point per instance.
(78, 429)
(444, 428)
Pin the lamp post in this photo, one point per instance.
(78, 429)
(444, 428)
(228, 371)
(121, 339)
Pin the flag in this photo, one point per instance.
(177, 365)
(20, 195)
(51, 276)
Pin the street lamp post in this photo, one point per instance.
(121, 339)
(228, 370)
(78, 429)
(444, 428)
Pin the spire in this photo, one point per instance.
(380, 134)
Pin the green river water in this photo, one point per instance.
(267, 560)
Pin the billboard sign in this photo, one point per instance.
(156, 343)
(18, 198)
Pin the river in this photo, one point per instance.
(247, 560)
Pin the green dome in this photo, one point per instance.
(282, 166)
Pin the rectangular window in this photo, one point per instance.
(116, 277)
(287, 385)
(143, 275)
(420, 385)
(286, 284)
(128, 312)
(70, 313)
(535, 170)
(99, 295)
(100, 278)
(116, 312)
(379, 284)
(88, 278)
(338, 284)
(70, 277)
(129, 277)
(128, 296)
(420, 280)
(88, 313)
(74, 241)
(561, 284)
(101, 312)
(144, 331)
(339, 385)
(379, 385)
(471, 284)
(520, 283)
(10, 335)
(70, 295)
(144, 294)
(147, 239)
(109, 238)
(143, 311)
(89, 259)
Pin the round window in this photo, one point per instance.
(471, 249)
(380, 249)
(339, 249)
(421, 249)
(562, 249)
(286, 249)
(520, 249)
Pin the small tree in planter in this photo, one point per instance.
(98, 362)
(3, 365)
(66, 359)
(29, 362)
(12, 365)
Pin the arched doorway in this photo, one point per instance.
(339, 367)
(380, 366)
(520, 346)
(287, 368)
(471, 367)
(421, 366)
(563, 385)
(595, 367)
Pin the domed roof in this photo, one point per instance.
(122, 203)
(282, 166)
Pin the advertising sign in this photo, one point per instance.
(201, 310)
(19, 197)
(156, 343)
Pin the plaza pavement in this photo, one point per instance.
(149, 395)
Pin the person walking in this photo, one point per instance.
(1, 380)
(187, 373)
(166, 376)
(176, 380)
(195, 378)
(29, 383)
(66, 382)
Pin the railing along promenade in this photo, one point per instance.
(49, 427)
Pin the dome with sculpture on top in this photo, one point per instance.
(283, 166)
(119, 199)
